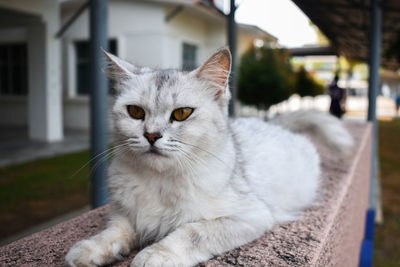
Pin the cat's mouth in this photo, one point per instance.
(154, 151)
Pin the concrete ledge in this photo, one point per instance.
(329, 234)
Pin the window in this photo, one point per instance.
(82, 65)
(189, 56)
(13, 69)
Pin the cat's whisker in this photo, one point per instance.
(95, 158)
(191, 160)
(192, 157)
(206, 151)
(136, 146)
(112, 153)
(89, 161)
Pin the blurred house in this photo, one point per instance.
(44, 78)
(324, 68)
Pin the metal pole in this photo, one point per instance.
(373, 81)
(98, 102)
(232, 42)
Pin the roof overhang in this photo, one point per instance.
(313, 51)
(256, 31)
(347, 24)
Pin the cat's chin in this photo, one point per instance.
(154, 155)
(158, 166)
(156, 161)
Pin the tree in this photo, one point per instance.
(265, 77)
(305, 85)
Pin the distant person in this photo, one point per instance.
(397, 100)
(337, 95)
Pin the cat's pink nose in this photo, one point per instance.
(152, 137)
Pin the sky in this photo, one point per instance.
(281, 18)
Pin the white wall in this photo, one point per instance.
(145, 49)
(127, 19)
(13, 110)
(76, 113)
(144, 38)
(13, 34)
(216, 37)
(244, 43)
(194, 27)
(186, 28)
(138, 29)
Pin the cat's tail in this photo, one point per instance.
(325, 127)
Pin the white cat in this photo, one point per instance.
(188, 182)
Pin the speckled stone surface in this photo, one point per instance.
(329, 234)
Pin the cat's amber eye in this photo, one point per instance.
(181, 114)
(135, 112)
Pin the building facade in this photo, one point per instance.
(51, 94)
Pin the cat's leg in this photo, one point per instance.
(107, 246)
(199, 241)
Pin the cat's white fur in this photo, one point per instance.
(218, 184)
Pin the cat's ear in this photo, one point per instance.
(118, 69)
(216, 70)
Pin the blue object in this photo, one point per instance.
(370, 225)
(367, 246)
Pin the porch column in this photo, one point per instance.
(232, 42)
(98, 101)
(44, 84)
(373, 83)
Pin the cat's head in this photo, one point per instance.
(167, 119)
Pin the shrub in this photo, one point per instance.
(306, 85)
(265, 77)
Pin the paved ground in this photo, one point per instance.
(15, 147)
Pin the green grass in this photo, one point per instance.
(37, 191)
(387, 238)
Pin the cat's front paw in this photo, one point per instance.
(157, 256)
(91, 253)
